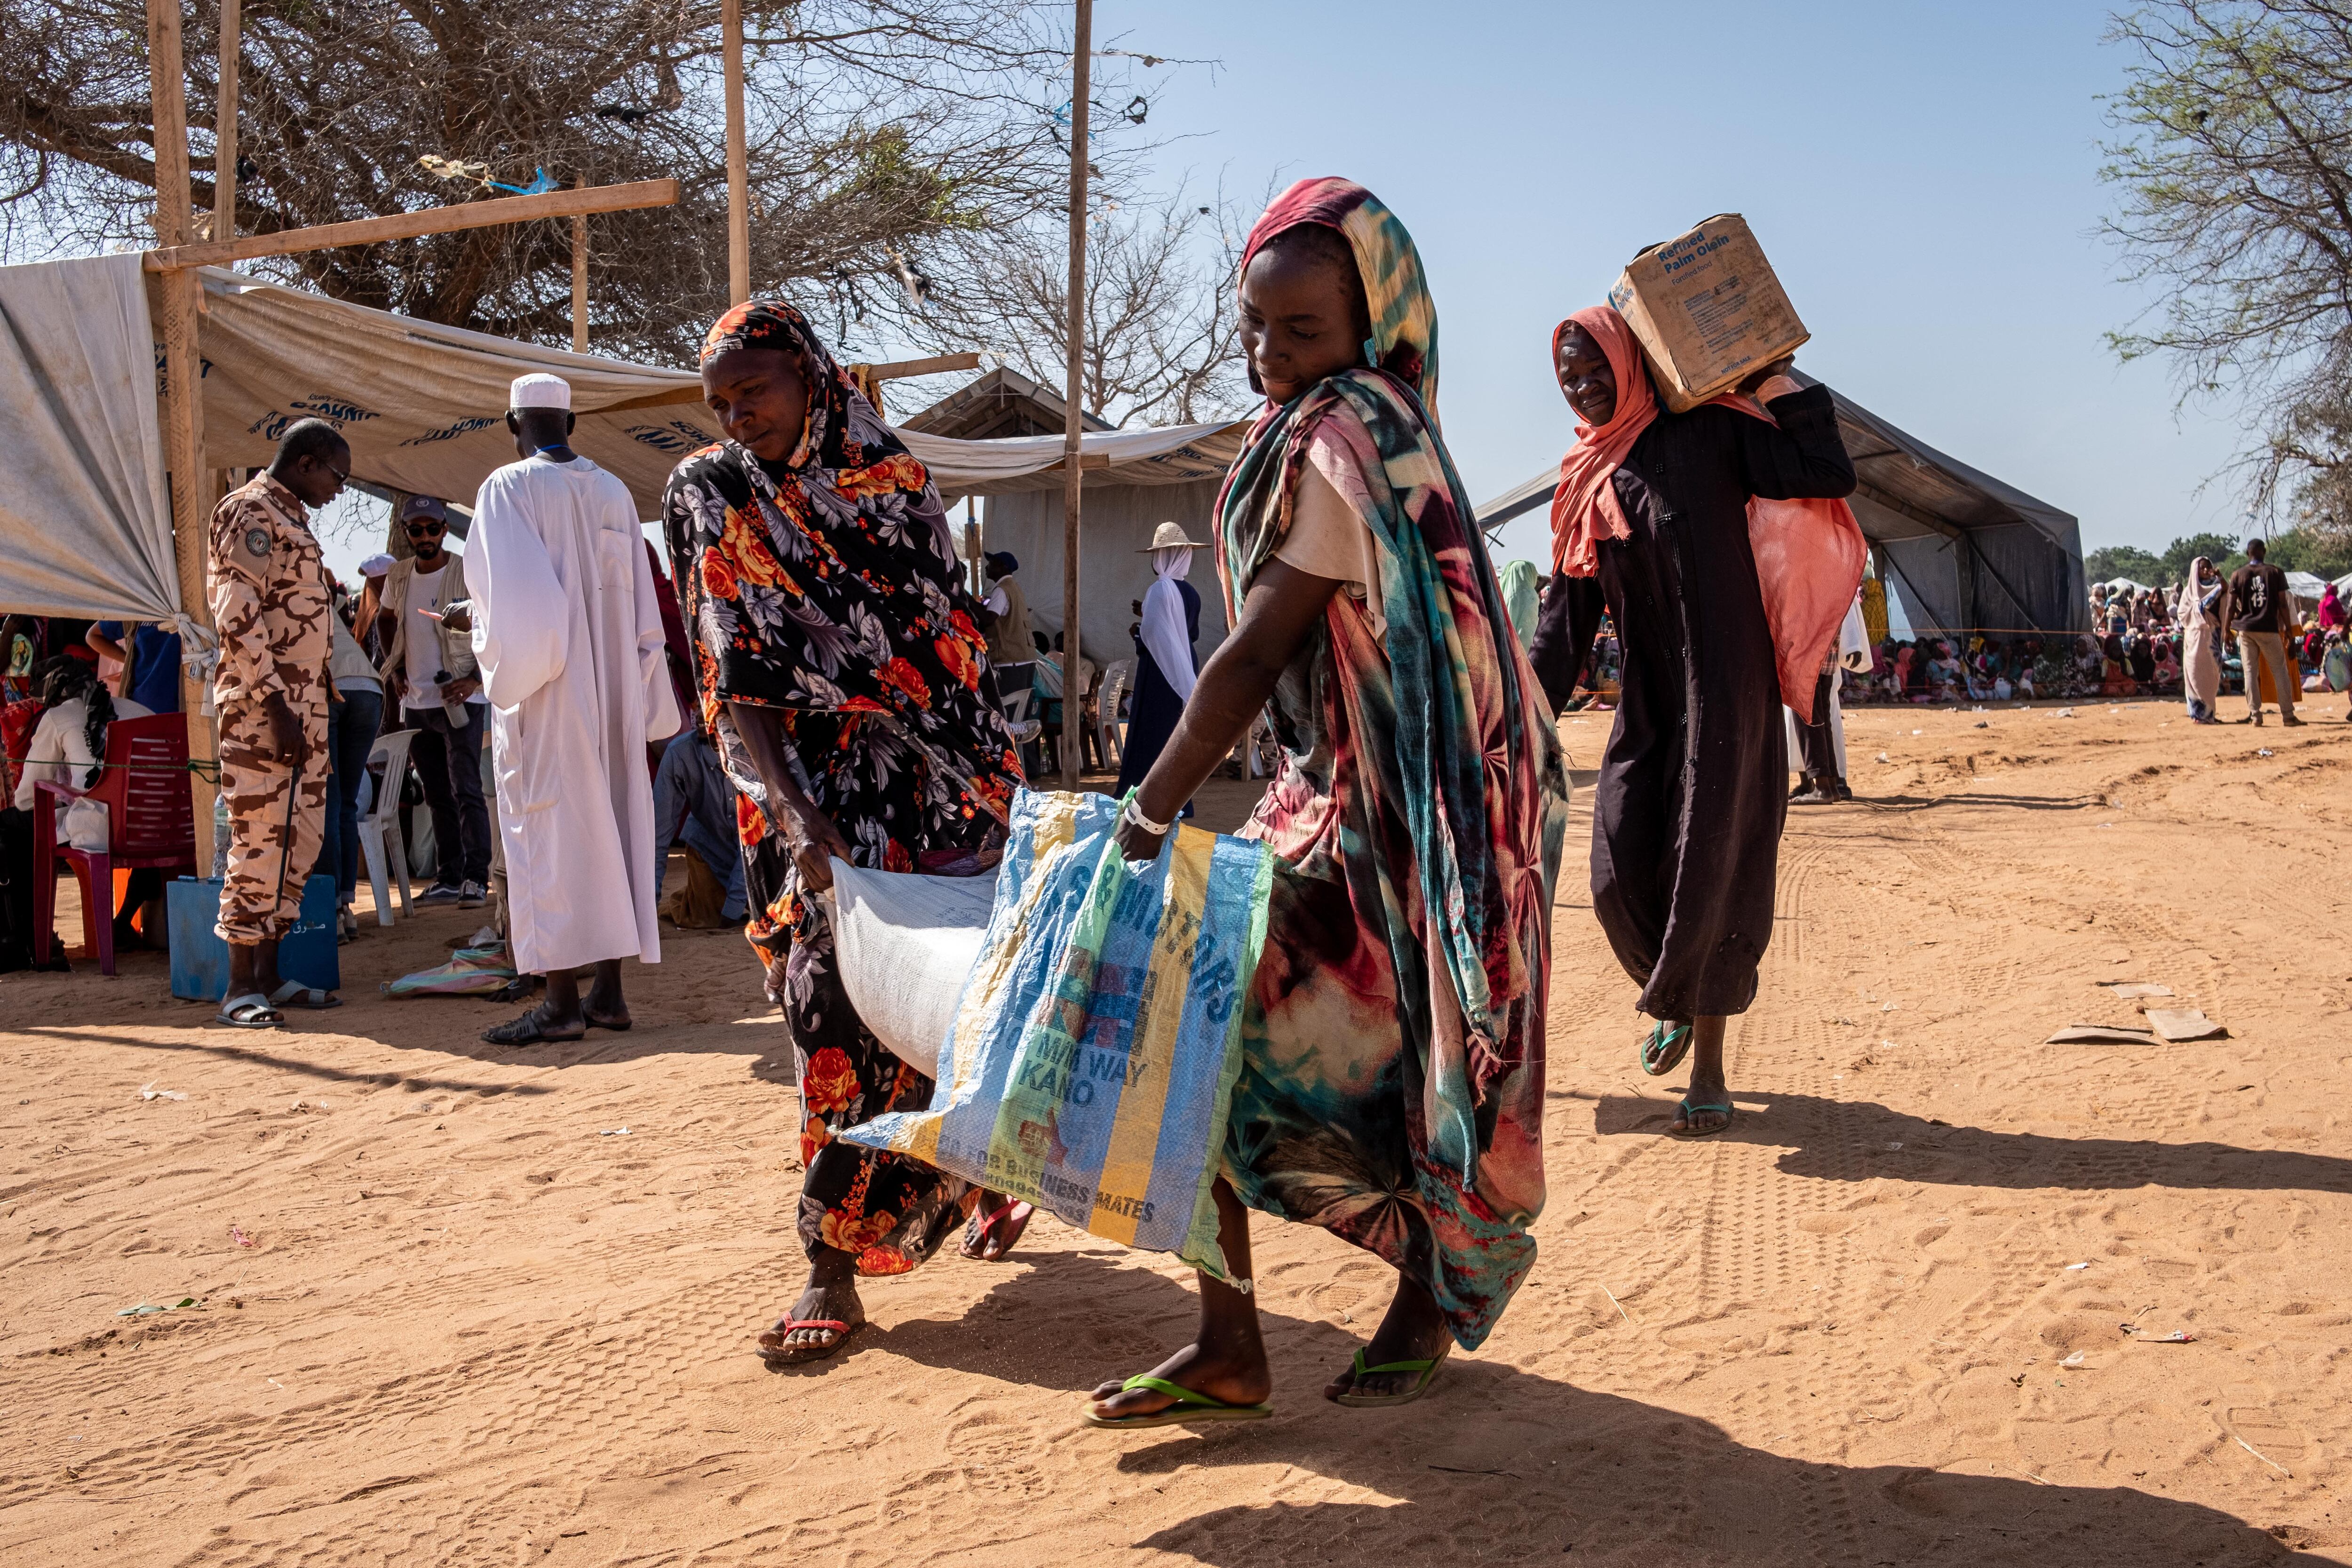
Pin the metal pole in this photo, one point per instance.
(580, 283)
(1073, 419)
(224, 125)
(182, 414)
(738, 178)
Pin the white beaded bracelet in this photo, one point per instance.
(1133, 812)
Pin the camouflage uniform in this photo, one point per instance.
(270, 605)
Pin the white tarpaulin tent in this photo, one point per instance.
(85, 528)
(85, 522)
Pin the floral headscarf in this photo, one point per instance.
(832, 585)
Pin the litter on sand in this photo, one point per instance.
(2177, 1337)
(2131, 990)
(149, 1091)
(2075, 1360)
(2072, 1267)
(612, 1132)
(2177, 1024)
(2265, 1458)
(143, 1308)
(2100, 1035)
(236, 1234)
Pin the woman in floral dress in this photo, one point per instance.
(840, 669)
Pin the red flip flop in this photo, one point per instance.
(788, 1355)
(977, 1232)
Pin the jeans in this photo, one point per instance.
(449, 767)
(352, 728)
(694, 801)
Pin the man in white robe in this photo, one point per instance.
(1823, 767)
(568, 637)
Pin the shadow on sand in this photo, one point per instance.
(1503, 1465)
(1850, 1140)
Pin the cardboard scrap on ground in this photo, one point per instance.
(2131, 989)
(2100, 1035)
(2177, 1023)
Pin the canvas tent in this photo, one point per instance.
(995, 435)
(1964, 551)
(85, 524)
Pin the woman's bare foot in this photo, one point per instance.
(995, 1229)
(831, 1297)
(1414, 1329)
(1226, 1360)
(1229, 1367)
(1707, 1084)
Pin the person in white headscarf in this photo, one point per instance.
(1165, 669)
(2199, 612)
(568, 636)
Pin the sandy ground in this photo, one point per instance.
(1904, 1312)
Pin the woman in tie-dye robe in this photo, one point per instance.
(1391, 1089)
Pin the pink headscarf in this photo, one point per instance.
(1809, 553)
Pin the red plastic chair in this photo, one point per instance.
(151, 821)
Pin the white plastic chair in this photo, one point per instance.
(1111, 717)
(381, 838)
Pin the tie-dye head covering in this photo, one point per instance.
(1404, 318)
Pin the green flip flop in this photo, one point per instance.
(1688, 1110)
(1189, 1408)
(1428, 1370)
(1664, 1048)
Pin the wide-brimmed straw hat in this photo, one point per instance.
(1171, 536)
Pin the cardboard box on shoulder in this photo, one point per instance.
(1707, 310)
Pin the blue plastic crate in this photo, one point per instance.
(200, 958)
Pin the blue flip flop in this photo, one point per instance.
(1664, 1048)
(1688, 1110)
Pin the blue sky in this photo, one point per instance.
(1924, 179)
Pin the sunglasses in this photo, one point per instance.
(421, 529)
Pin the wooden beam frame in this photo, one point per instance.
(183, 411)
(176, 255)
(738, 175)
(232, 21)
(1073, 748)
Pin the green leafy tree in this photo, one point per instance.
(2123, 560)
(2234, 171)
(2215, 547)
(892, 145)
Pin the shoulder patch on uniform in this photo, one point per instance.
(256, 543)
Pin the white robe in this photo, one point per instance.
(568, 634)
(1854, 653)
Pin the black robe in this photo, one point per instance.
(1687, 816)
(1153, 711)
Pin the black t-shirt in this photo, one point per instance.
(2258, 594)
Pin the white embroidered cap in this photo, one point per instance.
(539, 390)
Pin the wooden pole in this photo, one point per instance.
(738, 178)
(1074, 416)
(409, 226)
(580, 283)
(183, 465)
(232, 23)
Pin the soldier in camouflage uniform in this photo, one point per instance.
(270, 603)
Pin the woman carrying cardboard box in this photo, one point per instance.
(1725, 602)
